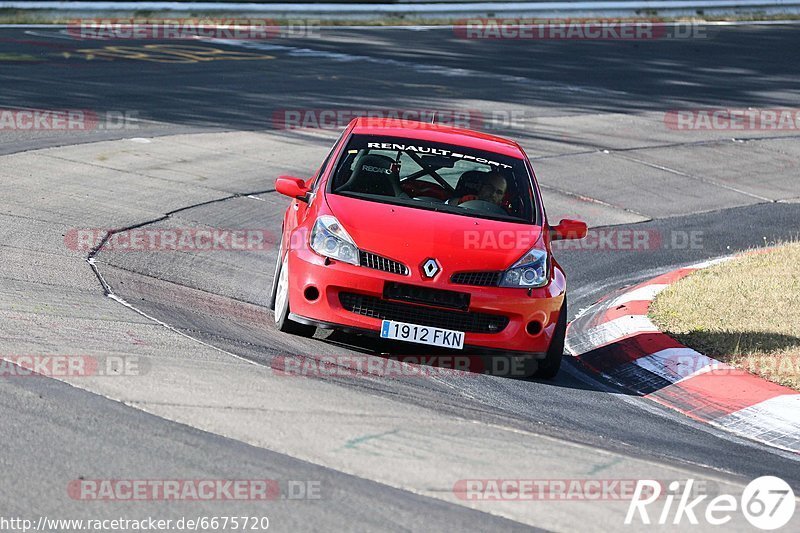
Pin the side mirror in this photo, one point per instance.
(568, 229)
(292, 187)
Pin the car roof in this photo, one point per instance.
(439, 133)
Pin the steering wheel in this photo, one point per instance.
(481, 205)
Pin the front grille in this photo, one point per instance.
(426, 295)
(370, 260)
(480, 279)
(471, 322)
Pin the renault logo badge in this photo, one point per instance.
(430, 268)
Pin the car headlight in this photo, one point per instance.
(329, 239)
(530, 271)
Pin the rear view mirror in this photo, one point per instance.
(437, 161)
(292, 187)
(568, 229)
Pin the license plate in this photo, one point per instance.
(446, 338)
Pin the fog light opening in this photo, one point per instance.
(534, 327)
(311, 293)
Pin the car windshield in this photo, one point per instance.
(436, 177)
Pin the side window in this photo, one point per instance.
(322, 170)
(325, 163)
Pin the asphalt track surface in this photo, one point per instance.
(589, 91)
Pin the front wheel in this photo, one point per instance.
(549, 366)
(281, 302)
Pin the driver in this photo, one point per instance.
(493, 188)
(488, 187)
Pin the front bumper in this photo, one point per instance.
(309, 271)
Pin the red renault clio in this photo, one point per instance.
(425, 234)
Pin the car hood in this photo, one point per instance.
(411, 235)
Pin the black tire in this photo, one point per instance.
(274, 290)
(280, 305)
(549, 366)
